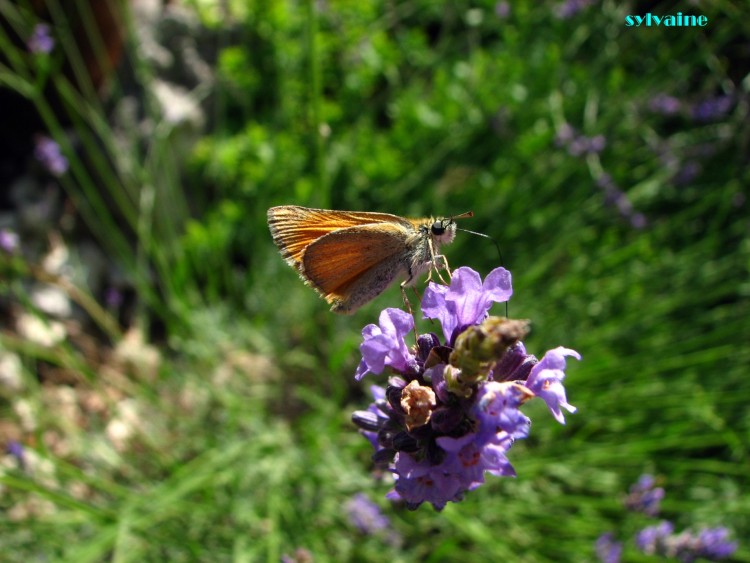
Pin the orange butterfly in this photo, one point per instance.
(351, 257)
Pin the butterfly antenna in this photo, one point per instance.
(499, 253)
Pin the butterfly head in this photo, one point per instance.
(443, 230)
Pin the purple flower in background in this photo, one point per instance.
(365, 514)
(687, 173)
(597, 143)
(652, 539)
(41, 40)
(608, 550)
(48, 153)
(615, 197)
(709, 543)
(578, 144)
(565, 134)
(638, 221)
(714, 544)
(645, 496)
(113, 297)
(660, 539)
(665, 104)
(15, 449)
(569, 8)
(452, 411)
(8, 241)
(502, 10)
(712, 108)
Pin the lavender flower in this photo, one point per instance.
(113, 297)
(569, 8)
(615, 197)
(644, 496)
(467, 300)
(578, 144)
(502, 10)
(687, 173)
(608, 550)
(545, 381)
(8, 241)
(665, 104)
(660, 540)
(48, 153)
(41, 40)
(369, 520)
(713, 544)
(451, 411)
(709, 543)
(16, 450)
(652, 539)
(712, 108)
(384, 344)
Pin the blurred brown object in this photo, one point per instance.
(100, 57)
(107, 15)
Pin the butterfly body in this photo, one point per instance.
(351, 257)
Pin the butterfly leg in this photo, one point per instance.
(439, 262)
(436, 264)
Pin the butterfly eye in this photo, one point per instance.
(438, 228)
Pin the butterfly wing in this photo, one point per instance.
(349, 267)
(294, 228)
(341, 256)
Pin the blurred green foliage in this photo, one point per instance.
(420, 108)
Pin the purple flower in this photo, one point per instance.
(565, 134)
(569, 8)
(664, 104)
(545, 381)
(577, 144)
(502, 10)
(384, 345)
(113, 297)
(8, 241)
(48, 153)
(615, 197)
(638, 221)
(652, 539)
(366, 516)
(497, 410)
(687, 173)
(644, 496)
(467, 301)
(608, 550)
(41, 41)
(709, 543)
(16, 450)
(421, 481)
(712, 108)
(470, 457)
(713, 544)
(453, 411)
(597, 144)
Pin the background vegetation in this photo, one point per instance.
(204, 415)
